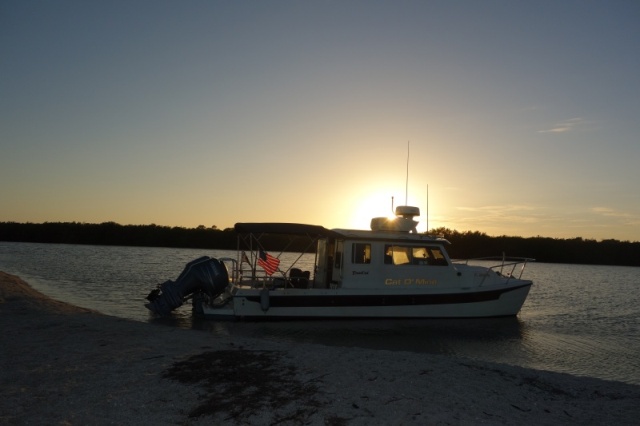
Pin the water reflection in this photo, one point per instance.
(179, 321)
(450, 336)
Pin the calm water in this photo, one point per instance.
(583, 320)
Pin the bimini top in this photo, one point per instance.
(283, 228)
(319, 231)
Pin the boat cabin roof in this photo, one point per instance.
(359, 234)
(319, 231)
(283, 228)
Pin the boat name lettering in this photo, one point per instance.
(410, 281)
(360, 273)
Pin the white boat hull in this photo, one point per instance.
(263, 304)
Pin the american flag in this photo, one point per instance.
(268, 262)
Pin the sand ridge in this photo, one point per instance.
(65, 365)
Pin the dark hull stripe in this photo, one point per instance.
(319, 301)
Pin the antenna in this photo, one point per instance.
(406, 185)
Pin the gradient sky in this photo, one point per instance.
(523, 117)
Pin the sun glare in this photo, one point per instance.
(365, 208)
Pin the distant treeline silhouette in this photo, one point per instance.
(543, 249)
(463, 244)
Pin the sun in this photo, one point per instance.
(366, 207)
(362, 208)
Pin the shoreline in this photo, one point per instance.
(63, 364)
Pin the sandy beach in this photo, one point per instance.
(66, 365)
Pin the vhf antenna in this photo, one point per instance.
(406, 185)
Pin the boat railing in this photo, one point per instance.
(506, 267)
(239, 274)
(232, 268)
(242, 275)
(281, 281)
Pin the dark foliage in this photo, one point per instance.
(543, 249)
(113, 234)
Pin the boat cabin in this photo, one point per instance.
(391, 254)
(354, 261)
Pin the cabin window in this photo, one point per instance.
(396, 255)
(414, 255)
(361, 253)
(437, 257)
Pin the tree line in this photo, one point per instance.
(114, 234)
(549, 250)
(463, 244)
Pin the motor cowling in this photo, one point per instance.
(205, 274)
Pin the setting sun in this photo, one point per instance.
(379, 204)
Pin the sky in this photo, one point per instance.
(505, 117)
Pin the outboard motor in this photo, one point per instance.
(205, 274)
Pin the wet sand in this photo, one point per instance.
(65, 365)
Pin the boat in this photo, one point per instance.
(390, 271)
